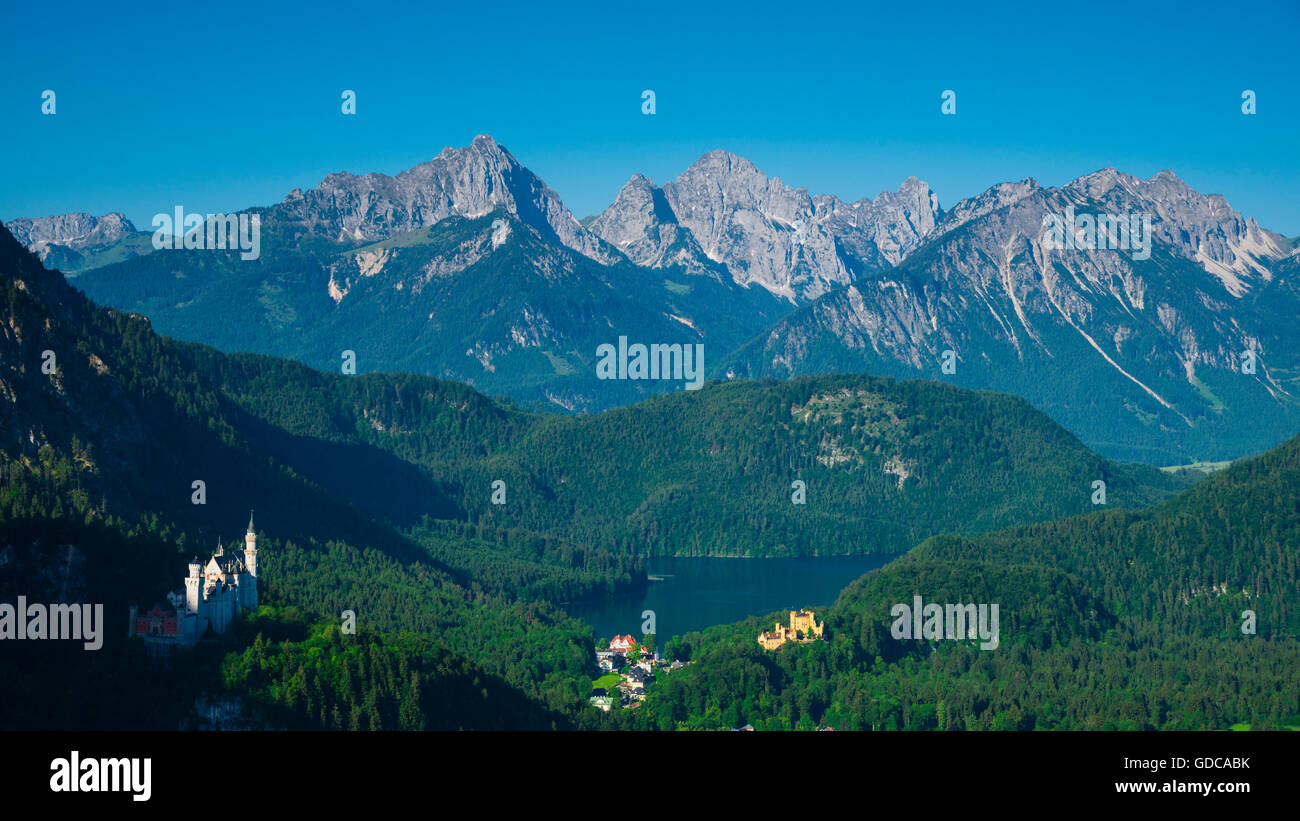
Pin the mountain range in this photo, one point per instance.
(375, 492)
(1173, 357)
(469, 267)
(75, 242)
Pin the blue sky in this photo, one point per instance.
(220, 106)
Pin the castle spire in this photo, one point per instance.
(250, 522)
(220, 550)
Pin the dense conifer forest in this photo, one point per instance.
(374, 494)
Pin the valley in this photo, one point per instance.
(495, 486)
(429, 400)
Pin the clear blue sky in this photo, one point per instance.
(219, 106)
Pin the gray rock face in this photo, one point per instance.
(467, 182)
(76, 231)
(722, 216)
(1002, 266)
(878, 234)
(999, 196)
(1198, 227)
(643, 226)
(1123, 346)
(726, 212)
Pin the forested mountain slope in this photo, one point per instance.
(883, 463)
(1182, 615)
(101, 450)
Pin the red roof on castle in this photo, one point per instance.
(622, 643)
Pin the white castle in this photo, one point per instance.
(214, 594)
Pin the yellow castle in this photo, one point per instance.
(803, 628)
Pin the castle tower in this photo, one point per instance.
(249, 591)
(192, 582)
(250, 547)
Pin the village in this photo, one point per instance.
(627, 667)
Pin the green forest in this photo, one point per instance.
(1110, 620)
(885, 463)
(374, 494)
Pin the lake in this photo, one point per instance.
(698, 593)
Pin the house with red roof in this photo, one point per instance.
(622, 644)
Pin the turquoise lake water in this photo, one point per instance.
(699, 593)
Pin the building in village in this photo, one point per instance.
(623, 644)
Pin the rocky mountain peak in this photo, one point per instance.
(1099, 182)
(724, 212)
(721, 159)
(482, 149)
(1203, 228)
(913, 202)
(642, 225)
(734, 176)
(76, 230)
(1154, 319)
(996, 197)
(468, 182)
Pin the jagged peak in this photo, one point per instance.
(637, 193)
(1158, 187)
(638, 189)
(1171, 178)
(991, 199)
(637, 182)
(729, 162)
(485, 144)
(468, 181)
(1109, 172)
(1102, 180)
(720, 154)
(482, 145)
(77, 229)
(112, 217)
(1002, 193)
(913, 188)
